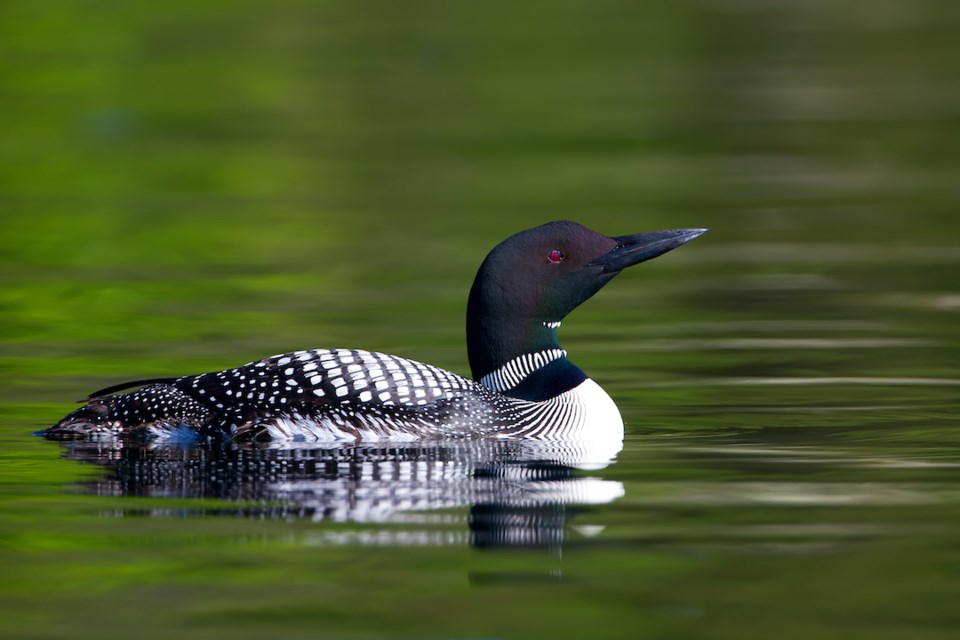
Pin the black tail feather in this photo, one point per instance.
(128, 385)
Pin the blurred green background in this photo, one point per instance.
(189, 186)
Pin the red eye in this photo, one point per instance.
(555, 256)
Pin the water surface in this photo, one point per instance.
(187, 188)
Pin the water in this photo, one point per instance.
(187, 188)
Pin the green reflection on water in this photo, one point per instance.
(187, 187)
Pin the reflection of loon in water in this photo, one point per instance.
(372, 438)
(519, 492)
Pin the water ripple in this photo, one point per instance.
(813, 381)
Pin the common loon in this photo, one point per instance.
(523, 385)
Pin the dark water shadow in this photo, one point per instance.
(519, 494)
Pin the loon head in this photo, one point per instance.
(532, 280)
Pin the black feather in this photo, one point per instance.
(128, 385)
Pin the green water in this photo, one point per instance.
(191, 186)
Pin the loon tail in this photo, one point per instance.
(127, 385)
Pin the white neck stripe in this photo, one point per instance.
(514, 372)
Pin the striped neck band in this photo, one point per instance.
(514, 372)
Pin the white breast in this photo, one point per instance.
(585, 412)
(601, 417)
(585, 419)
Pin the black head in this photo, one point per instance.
(532, 280)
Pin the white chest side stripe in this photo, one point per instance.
(513, 373)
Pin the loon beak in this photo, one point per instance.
(637, 248)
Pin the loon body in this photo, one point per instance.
(523, 384)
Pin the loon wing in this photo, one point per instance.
(323, 394)
(331, 394)
(127, 385)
